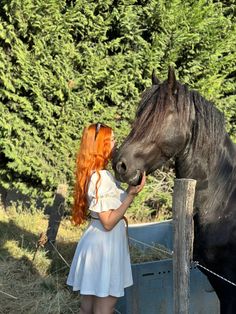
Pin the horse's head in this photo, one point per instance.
(159, 132)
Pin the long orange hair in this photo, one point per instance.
(93, 155)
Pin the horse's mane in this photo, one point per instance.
(208, 121)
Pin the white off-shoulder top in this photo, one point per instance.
(109, 194)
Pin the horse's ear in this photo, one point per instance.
(171, 79)
(155, 80)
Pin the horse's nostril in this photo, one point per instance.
(121, 167)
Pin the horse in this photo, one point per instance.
(175, 123)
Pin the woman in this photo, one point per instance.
(101, 266)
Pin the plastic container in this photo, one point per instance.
(152, 292)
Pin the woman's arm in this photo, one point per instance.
(111, 217)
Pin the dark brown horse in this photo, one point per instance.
(173, 122)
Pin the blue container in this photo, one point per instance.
(152, 292)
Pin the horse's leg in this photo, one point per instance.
(226, 294)
(227, 297)
(228, 305)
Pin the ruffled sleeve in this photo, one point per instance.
(108, 196)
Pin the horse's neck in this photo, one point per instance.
(205, 163)
(211, 172)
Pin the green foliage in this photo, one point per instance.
(199, 39)
(154, 201)
(65, 64)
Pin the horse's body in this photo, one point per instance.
(172, 122)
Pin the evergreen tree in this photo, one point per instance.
(65, 64)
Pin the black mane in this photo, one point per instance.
(152, 110)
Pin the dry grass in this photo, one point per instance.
(142, 254)
(36, 285)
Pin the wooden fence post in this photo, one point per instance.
(183, 198)
(55, 215)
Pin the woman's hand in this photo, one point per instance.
(133, 190)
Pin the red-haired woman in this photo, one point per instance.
(101, 268)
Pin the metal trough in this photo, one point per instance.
(152, 290)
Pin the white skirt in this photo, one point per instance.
(101, 264)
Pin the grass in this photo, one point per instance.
(34, 286)
(31, 281)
